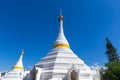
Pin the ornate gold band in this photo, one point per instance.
(61, 45)
(18, 67)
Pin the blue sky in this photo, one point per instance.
(33, 25)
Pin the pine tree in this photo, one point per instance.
(112, 71)
(111, 51)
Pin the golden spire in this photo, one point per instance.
(61, 17)
(61, 40)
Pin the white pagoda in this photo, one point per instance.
(61, 63)
(17, 72)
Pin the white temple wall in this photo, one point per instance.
(38, 74)
(0, 75)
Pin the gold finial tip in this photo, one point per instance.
(61, 17)
(22, 52)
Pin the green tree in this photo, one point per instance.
(112, 71)
(111, 51)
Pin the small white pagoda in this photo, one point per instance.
(61, 63)
(17, 72)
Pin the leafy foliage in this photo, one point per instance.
(112, 71)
